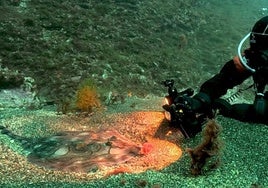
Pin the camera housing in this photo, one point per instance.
(179, 113)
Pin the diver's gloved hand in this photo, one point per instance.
(193, 103)
(201, 102)
(224, 108)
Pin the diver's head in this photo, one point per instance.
(258, 45)
(259, 60)
(259, 35)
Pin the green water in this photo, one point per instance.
(130, 47)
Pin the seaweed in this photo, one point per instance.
(208, 149)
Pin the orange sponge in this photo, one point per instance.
(87, 99)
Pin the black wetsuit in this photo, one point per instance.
(231, 76)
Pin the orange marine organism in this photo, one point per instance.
(87, 99)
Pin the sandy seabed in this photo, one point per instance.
(140, 127)
(243, 163)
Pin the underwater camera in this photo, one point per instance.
(179, 113)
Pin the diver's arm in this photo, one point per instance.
(231, 74)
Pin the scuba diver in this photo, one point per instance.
(188, 112)
(253, 62)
